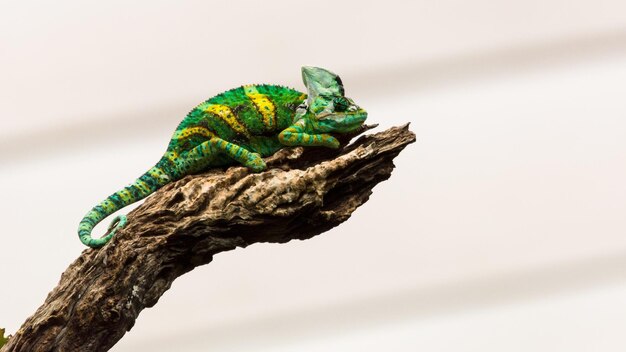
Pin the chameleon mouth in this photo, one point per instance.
(354, 122)
(349, 128)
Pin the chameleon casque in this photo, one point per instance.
(241, 125)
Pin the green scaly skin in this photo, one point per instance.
(239, 126)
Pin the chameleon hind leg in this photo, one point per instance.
(202, 155)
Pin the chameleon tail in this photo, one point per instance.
(145, 185)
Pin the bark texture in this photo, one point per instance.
(304, 192)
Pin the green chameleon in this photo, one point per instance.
(241, 125)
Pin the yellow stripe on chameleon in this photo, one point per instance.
(108, 206)
(186, 132)
(154, 172)
(227, 116)
(172, 155)
(125, 195)
(158, 174)
(263, 104)
(142, 186)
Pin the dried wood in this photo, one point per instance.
(304, 193)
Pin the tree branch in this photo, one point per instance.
(305, 192)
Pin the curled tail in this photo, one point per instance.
(145, 185)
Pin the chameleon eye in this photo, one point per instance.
(341, 104)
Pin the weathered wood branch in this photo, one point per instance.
(304, 192)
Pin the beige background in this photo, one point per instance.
(503, 227)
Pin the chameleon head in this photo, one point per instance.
(329, 108)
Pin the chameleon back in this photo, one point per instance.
(247, 116)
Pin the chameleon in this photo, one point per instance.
(239, 126)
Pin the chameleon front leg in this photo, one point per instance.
(201, 156)
(295, 135)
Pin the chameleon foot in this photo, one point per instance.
(255, 162)
(329, 141)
